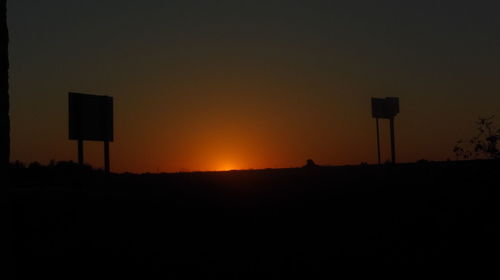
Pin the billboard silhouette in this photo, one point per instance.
(385, 108)
(91, 118)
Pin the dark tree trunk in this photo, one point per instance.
(4, 88)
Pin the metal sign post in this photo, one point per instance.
(393, 141)
(378, 140)
(106, 156)
(80, 151)
(386, 108)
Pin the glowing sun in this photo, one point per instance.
(226, 167)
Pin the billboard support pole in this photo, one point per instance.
(386, 108)
(393, 144)
(80, 151)
(378, 140)
(106, 157)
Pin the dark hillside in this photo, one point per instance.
(253, 224)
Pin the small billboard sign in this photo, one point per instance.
(90, 117)
(385, 108)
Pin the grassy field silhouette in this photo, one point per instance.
(78, 223)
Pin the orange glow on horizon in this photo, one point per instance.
(226, 166)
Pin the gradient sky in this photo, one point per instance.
(213, 85)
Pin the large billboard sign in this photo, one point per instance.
(385, 108)
(90, 117)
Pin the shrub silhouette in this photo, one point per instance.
(483, 145)
(310, 164)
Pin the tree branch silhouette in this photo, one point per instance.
(483, 145)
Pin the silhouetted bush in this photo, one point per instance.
(310, 163)
(35, 165)
(483, 145)
(18, 164)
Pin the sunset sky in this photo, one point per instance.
(216, 85)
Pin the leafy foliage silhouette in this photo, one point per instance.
(483, 145)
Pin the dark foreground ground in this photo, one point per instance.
(308, 223)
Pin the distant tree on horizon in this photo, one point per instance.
(4, 88)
